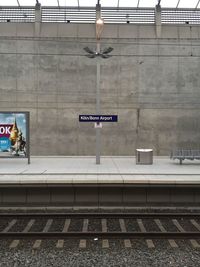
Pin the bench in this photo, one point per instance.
(182, 154)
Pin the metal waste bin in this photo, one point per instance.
(144, 156)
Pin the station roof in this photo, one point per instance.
(106, 3)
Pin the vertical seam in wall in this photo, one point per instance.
(50, 195)
(26, 195)
(156, 141)
(78, 74)
(98, 195)
(37, 63)
(57, 105)
(118, 32)
(146, 194)
(122, 196)
(117, 110)
(170, 195)
(193, 195)
(74, 191)
(16, 71)
(1, 196)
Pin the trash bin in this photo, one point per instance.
(144, 156)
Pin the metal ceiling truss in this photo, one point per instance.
(197, 4)
(118, 3)
(110, 15)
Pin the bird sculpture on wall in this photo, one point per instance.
(103, 54)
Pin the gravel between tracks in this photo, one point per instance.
(57, 225)
(39, 225)
(94, 225)
(3, 224)
(19, 225)
(94, 255)
(76, 225)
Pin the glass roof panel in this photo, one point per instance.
(8, 3)
(128, 3)
(109, 3)
(67, 2)
(184, 3)
(27, 2)
(88, 3)
(147, 3)
(48, 2)
(169, 3)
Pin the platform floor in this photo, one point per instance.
(50, 170)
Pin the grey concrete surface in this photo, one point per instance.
(83, 170)
(151, 83)
(77, 182)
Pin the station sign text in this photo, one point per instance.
(98, 118)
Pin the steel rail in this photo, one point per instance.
(100, 235)
(93, 215)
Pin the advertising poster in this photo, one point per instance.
(13, 134)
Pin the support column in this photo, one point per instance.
(158, 21)
(38, 18)
(98, 111)
(99, 28)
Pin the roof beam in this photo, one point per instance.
(197, 4)
(177, 3)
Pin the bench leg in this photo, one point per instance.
(181, 161)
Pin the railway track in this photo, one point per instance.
(95, 215)
(26, 229)
(41, 235)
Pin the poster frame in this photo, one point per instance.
(27, 116)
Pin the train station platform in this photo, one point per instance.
(117, 182)
(118, 170)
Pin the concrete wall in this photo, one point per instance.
(152, 84)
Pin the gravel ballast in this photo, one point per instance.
(94, 255)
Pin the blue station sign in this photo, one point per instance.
(98, 118)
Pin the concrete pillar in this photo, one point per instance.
(38, 18)
(98, 11)
(158, 22)
(99, 29)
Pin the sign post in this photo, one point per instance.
(98, 119)
(98, 54)
(98, 130)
